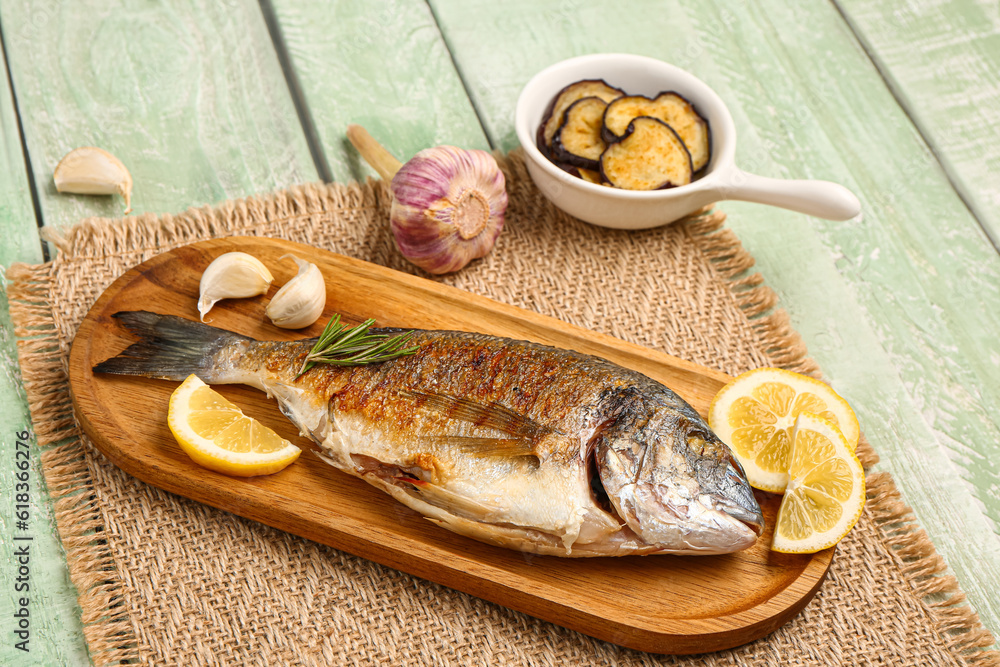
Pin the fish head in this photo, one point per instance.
(676, 484)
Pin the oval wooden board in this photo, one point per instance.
(662, 604)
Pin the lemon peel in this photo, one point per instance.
(755, 414)
(826, 490)
(217, 435)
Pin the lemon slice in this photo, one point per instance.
(754, 415)
(217, 435)
(826, 489)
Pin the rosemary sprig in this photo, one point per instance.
(355, 346)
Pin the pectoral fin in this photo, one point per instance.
(499, 447)
(524, 432)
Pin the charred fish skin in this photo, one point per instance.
(508, 442)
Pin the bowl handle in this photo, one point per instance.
(821, 199)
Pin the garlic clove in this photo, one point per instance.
(233, 275)
(300, 301)
(93, 171)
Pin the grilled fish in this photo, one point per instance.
(507, 442)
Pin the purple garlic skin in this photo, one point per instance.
(448, 207)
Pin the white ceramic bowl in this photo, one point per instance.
(625, 209)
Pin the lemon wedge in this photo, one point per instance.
(217, 435)
(754, 415)
(826, 488)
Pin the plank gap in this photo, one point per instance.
(295, 90)
(902, 101)
(32, 187)
(461, 75)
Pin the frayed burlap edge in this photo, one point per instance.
(111, 637)
(910, 546)
(246, 217)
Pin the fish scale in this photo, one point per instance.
(509, 442)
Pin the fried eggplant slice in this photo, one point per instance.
(588, 175)
(568, 168)
(651, 156)
(669, 107)
(578, 141)
(553, 117)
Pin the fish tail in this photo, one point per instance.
(169, 347)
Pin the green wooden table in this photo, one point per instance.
(899, 101)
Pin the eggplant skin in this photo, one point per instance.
(543, 148)
(650, 156)
(670, 107)
(578, 140)
(553, 116)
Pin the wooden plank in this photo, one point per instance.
(949, 87)
(188, 94)
(380, 64)
(191, 97)
(904, 330)
(56, 635)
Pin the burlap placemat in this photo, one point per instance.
(165, 580)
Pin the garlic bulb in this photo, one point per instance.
(300, 301)
(233, 275)
(92, 171)
(448, 203)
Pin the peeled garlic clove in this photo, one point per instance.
(233, 275)
(93, 171)
(300, 301)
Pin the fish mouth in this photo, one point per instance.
(752, 518)
(739, 501)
